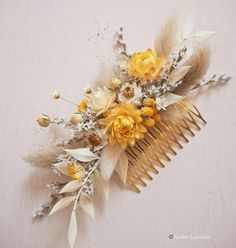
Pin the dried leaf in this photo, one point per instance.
(82, 154)
(122, 167)
(61, 167)
(109, 159)
(187, 24)
(72, 230)
(201, 35)
(102, 186)
(71, 186)
(62, 204)
(169, 98)
(87, 204)
(179, 73)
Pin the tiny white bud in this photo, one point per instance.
(56, 94)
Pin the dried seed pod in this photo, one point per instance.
(94, 139)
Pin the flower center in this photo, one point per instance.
(124, 124)
(128, 92)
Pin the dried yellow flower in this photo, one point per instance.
(76, 171)
(146, 65)
(83, 105)
(124, 125)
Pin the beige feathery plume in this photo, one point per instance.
(44, 157)
(168, 37)
(48, 153)
(199, 62)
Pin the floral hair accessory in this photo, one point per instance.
(131, 126)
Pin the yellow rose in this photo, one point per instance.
(124, 125)
(146, 65)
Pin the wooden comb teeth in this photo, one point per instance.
(162, 141)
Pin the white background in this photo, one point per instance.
(54, 44)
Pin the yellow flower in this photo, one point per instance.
(83, 105)
(146, 65)
(76, 171)
(124, 124)
(101, 100)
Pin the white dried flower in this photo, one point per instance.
(130, 93)
(114, 83)
(101, 100)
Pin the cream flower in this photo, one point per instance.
(101, 100)
(130, 93)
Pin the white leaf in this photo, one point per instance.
(62, 168)
(62, 203)
(72, 230)
(109, 159)
(166, 100)
(187, 24)
(71, 186)
(201, 35)
(82, 154)
(179, 73)
(122, 167)
(102, 186)
(87, 204)
(106, 189)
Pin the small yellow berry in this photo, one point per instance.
(44, 121)
(149, 102)
(156, 117)
(149, 122)
(147, 111)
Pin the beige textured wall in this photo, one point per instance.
(47, 45)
